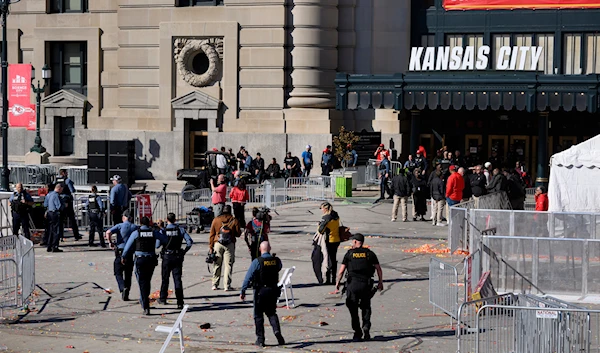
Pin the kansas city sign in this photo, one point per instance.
(472, 58)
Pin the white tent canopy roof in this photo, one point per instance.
(575, 178)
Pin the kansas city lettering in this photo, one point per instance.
(270, 263)
(471, 58)
(359, 255)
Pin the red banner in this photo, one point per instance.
(144, 206)
(20, 110)
(519, 4)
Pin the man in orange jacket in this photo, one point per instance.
(455, 186)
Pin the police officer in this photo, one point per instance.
(361, 264)
(264, 274)
(172, 255)
(143, 241)
(20, 201)
(119, 198)
(95, 210)
(122, 270)
(54, 207)
(68, 189)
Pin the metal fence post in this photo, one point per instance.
(536, 262)
(585, 267)
(267, 196)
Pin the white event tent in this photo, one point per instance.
(575, 178)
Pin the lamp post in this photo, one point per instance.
(46, 75)
(4, 175)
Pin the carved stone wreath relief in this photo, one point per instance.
(185, 52)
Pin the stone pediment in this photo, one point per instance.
(65, 98)
(196, 100)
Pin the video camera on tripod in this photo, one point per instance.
(264, 215)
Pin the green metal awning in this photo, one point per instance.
(525, 92)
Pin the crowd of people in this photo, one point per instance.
(244, 166)
(450, 180)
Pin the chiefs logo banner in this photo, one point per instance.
(519, 4)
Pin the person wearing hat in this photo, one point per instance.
(382, 153)
(326, 161)
(223, 233)
(353, 156)
(120, 196)
(307, 161)
(361, 264)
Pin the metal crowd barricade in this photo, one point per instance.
(17, 271)
(32, 174)
(445, 291)
(372, 170)
(526, 324)
(79, 175)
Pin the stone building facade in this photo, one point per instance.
(183, 76)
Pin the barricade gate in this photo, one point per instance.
(17, 271)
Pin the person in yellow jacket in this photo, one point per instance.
(330, 228)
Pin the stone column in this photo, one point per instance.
(542, 154)
(314, 55)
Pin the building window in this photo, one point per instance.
(546, 41)
(572, 51)
(65, 6)
(464, 40)
(182, 3)
(69, 66)
(546, 63)
(592, 58)
(428, 40)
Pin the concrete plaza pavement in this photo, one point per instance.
(72, 308)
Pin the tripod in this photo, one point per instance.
(162, 195)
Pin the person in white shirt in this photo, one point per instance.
(486, 172)
(222, 162)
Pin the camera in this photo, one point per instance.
(211, 258)
(263, 214)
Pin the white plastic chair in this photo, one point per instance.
(286, 282)
(177, 328)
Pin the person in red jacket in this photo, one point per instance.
(239, 196)
(541, 199)
(455, 186)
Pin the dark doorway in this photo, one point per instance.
(66, 136)
(198, 142)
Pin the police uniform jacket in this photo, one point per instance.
(360, 263)
(173, 237)
(263, 272)
(143, 241)
(123, 231)
(17, 205)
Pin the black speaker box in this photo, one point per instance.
(97, 161)
(98, 147)
(98, 176)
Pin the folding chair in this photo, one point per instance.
(286, 282)
(177, 328)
